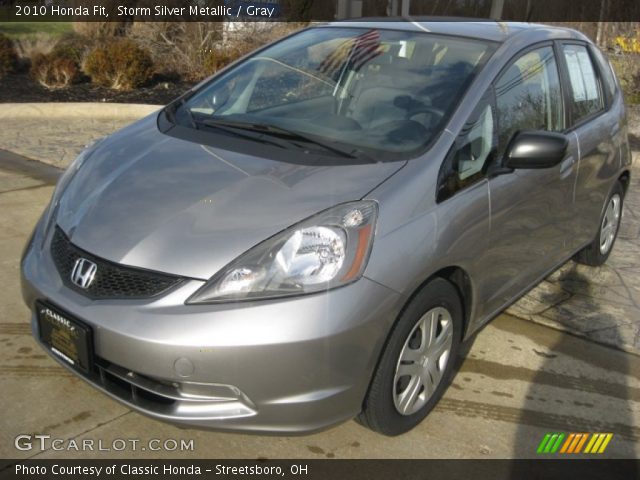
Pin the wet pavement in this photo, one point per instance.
(519, 381)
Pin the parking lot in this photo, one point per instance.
(563, 359)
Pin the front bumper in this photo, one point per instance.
(283, 366)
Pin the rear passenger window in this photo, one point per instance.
(586, 96)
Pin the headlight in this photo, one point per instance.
(325, 251)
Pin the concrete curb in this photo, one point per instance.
(76, 110)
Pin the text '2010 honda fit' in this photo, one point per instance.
(309, 235)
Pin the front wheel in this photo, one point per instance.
(597, 252)
(417, 362)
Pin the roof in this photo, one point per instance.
(473, 28)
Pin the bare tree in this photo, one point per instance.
(600, 34)
(497, 7)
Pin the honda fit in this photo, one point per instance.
(309, 235)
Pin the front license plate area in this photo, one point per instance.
(68, 338)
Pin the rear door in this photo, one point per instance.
(531, 210)
(598, 129)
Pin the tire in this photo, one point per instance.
(395, 403)
(598, 251)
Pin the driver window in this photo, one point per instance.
(528, 96)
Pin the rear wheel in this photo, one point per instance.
(417, 362)
(597, 252)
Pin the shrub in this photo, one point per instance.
(8, 56)
(28, 46)
(194, 50)
(178, 48)
(217, 59)
(73, 46)
(60, 67)
(120, 65)
(627, 67)
(54, 70)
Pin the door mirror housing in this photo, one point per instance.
(535, 149)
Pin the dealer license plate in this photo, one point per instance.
(68, 338)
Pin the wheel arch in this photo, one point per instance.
(625, 180)
(461, 280)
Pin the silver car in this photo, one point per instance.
(309, 235)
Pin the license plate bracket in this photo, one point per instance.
(66, 337)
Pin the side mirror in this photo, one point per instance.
(535, 149)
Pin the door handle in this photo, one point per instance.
(566, 166)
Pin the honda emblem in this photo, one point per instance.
(83, 273)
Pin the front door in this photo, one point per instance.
(531, 210)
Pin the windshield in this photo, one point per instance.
(369, 91)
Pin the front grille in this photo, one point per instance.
(111, 280)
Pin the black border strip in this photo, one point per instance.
(542, 468)
(318, 10)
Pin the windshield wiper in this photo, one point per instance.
(279, 132)
(232, 129)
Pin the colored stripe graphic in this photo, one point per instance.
(555, 443)
(594, 437)
(568, 442)
(581, 443)
(578, 439)
(605, 443)
(550, 443)
(598, 442)
(543, 443)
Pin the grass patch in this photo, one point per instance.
(28, 29)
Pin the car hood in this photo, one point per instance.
(148, 200)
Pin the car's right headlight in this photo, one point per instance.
(326, 251)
